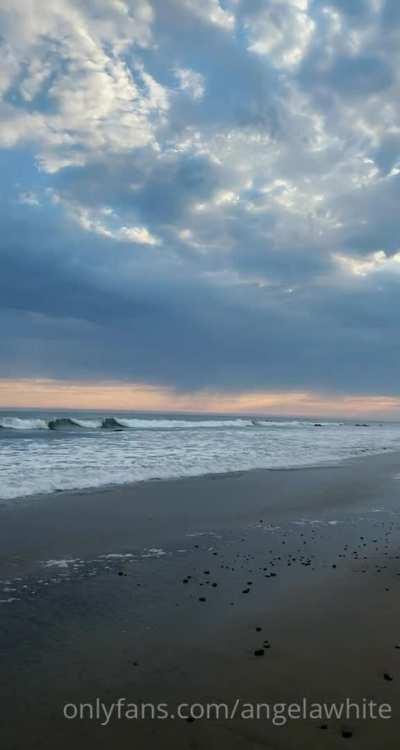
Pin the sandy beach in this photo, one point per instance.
(256, 587)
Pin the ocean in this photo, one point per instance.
(46, 452)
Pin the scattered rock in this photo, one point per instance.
(387, 676)
(347, 733)
(259, 652)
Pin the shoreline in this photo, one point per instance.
(165, 590)
(82, 522)
(105, 488)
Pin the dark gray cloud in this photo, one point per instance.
(207, 201)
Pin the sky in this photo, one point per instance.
(200, 205)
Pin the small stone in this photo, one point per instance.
(202, 599)
(347, 733)
(387, 676)
(259, 652)
(245, 591)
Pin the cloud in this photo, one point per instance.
(73, 91)
(281, 30)
(191, 82)
(96, 224)
(201, 195)
(210, 11)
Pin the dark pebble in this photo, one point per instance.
(387, 676)
(259, 652)
(347, 733)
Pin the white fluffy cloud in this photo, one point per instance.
(211, 11)
(68, 62)
(282, 30)
(106, 223)
(190, 82)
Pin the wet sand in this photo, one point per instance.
(262, 587)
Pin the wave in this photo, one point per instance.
(118, 423)
(175, 424)
(112, 423)
(295, 423)
(136, 423)
(71, 423)
(15, 423)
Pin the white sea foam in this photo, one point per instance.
(154, 552)
(17, 423)
(179, 424)
(118, 555)
(60, 563)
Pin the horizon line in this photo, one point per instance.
(47, 393)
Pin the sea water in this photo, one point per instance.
(45, 452)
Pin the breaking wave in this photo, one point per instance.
(118, 423)
(15, 423)
(136, 423)
(70, 423)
